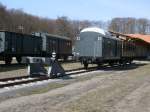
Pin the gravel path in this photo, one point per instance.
(121, 91)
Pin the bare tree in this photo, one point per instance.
(129, 25)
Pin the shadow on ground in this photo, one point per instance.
(111, 68)
(121, 68)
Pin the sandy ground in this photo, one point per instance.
(125, 90)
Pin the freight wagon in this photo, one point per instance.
(18, 45)
(95, 45)
(61, 45)
(37, 45)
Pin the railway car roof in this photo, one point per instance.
(18, 33)
(100, 31)
(57, 36)
(94, 29)
(145, 38)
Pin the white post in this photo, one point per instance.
(53, 55)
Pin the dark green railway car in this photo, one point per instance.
(61, 45)
(18, 45)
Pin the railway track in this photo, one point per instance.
(13, 78)
(20, 81)
(10, 82)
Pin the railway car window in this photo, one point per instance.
(78, 38)
(99, 38)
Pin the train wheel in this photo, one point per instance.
(19, 59)
(65, 58)
(124, 63)
(130, 62)
(85, 65)
(121, 63)
(99, 65)
(111, 63)
(8, 60)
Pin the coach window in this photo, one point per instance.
(99, 38)
(78, 38)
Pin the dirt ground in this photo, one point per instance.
(123, 90)
(15, 69)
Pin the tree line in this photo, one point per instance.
(19, 21)
(130, 25)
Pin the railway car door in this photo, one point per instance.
(19, 44)
(8, 43)
(106, 48)
(98, 46)
(55, 45)
(61, 46)
(48, 46)
(14, 42)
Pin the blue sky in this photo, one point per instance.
(83, 9)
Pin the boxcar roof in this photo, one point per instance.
(94, 29)
(100, 31)
(17, 33)
(145, 38)
(56, 36)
